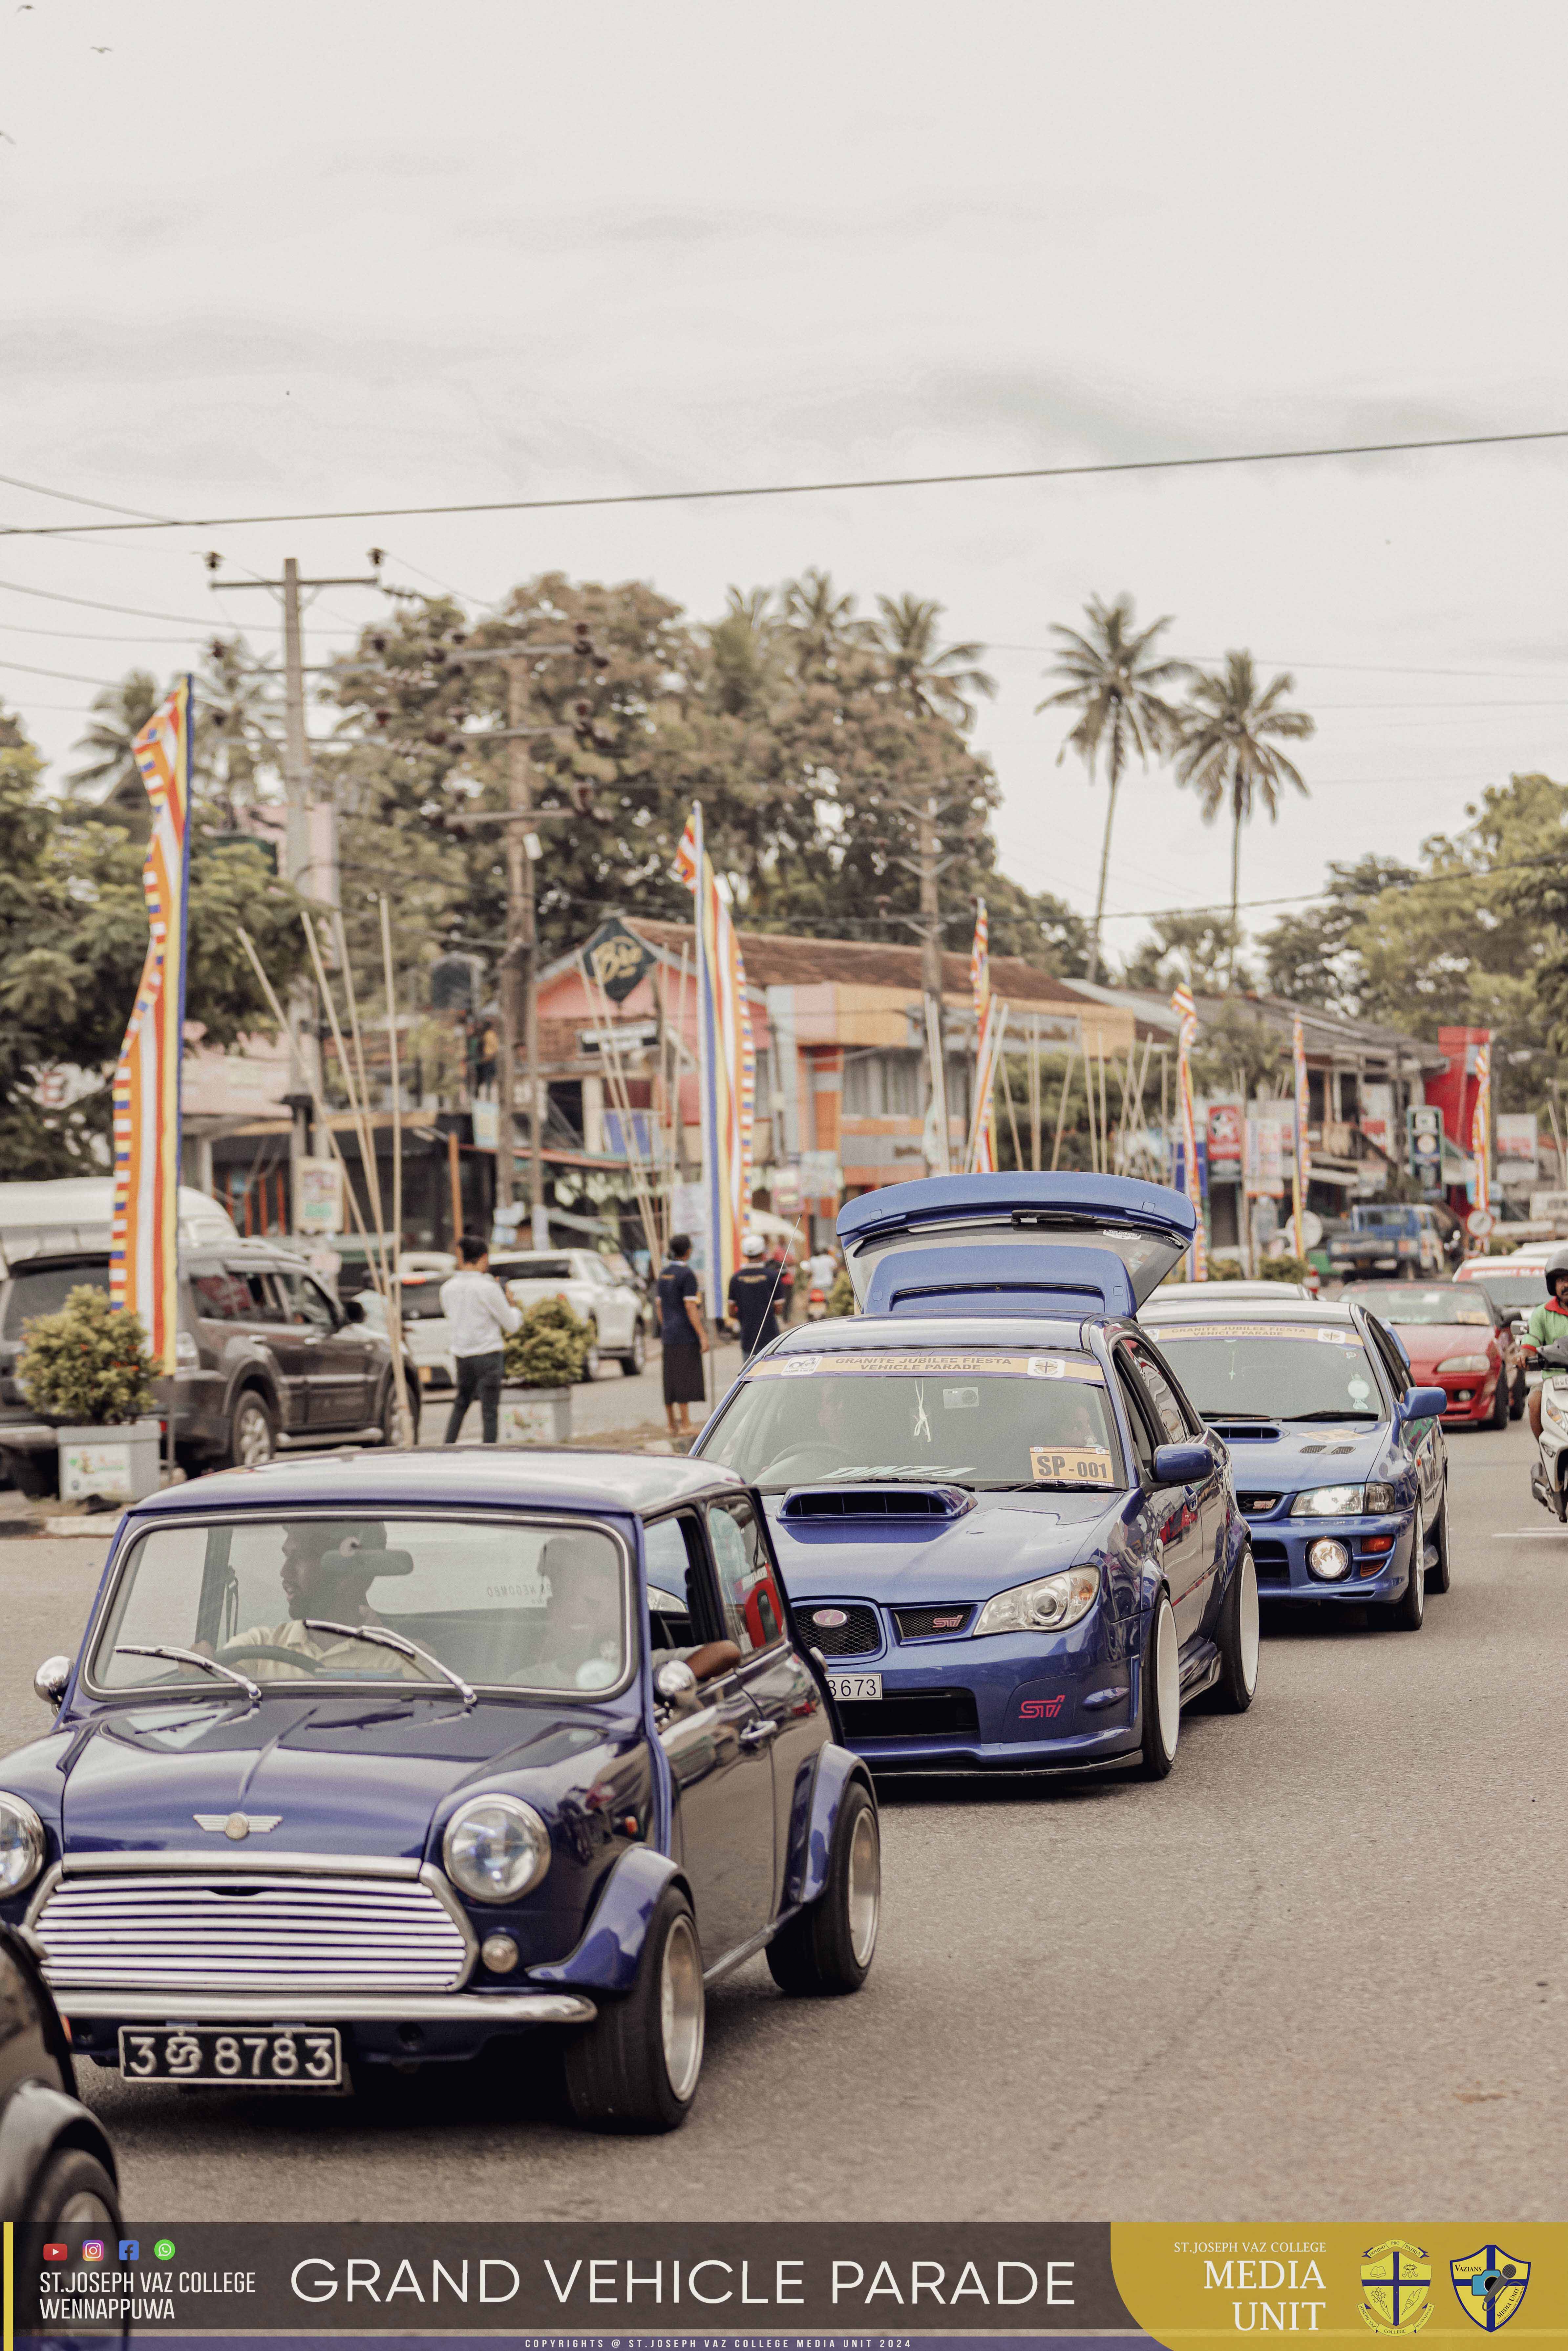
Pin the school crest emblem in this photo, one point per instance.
(1490, 2285)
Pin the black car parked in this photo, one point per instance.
(57, 2170)
(268, 1360)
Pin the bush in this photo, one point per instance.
(841, 1297)
(1285, 1269)
(87, 1367)
(550, 1350)
(1226, 1268)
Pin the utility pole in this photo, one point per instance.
(313, 877)
(927, 866)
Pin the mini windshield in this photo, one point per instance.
(496, 1603)
(1408, 1302)
(1253, 1371)
(978, 1420)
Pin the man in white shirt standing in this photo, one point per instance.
(481, 1319)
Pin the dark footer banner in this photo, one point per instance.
(758, 2286)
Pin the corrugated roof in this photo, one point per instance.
(784, 959)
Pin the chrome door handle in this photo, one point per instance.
(758, 1734)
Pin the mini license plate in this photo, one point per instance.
(280, 2057)
(855, 1686)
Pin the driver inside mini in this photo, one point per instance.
(324, 1575)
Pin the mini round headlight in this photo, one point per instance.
(1329, 1559)
(21, 1844)
(497, 1848)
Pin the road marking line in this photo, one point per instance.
(1529, 1534)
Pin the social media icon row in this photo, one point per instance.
(93, 2248)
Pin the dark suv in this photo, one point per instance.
(267, 1359)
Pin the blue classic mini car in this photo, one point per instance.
(1006, 1528)
(371, 1760)
(1340, 1460)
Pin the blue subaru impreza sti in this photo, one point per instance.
(1340, 1460)
(380, 1761)
(1009, 1535)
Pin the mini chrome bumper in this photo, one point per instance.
(501, 2008)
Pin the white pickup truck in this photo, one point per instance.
(616, 1310)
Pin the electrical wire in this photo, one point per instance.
(93, 604)
(74, 498)
(806, 489)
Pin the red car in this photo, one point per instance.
(1450, 1336)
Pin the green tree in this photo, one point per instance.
(1118, 689)
(1198, 947)
(1314, 957)
(108, 775)
(1230, 754)
(937, 681)
(238, 730)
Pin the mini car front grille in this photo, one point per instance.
(857, 1634)
(250, 1934)
(913, 1714)
(1272, 1562)
(931, 1624)
(1258, 1506)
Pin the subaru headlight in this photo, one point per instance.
(21, 1844)
(1047, 1606)
(495, 1848)
(1463, 1363)
(1329, 1502)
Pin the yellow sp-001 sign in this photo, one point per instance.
(1071, 1465)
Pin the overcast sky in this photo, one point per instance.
(320, 256)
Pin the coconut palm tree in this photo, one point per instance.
(110, 774)
(1117, 688)
(821, 622)
(240, 727)
(937, 681)
(1227, 753)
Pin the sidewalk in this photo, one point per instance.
(614, 1410)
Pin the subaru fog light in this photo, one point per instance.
(497, 1848)
(1047, 1606)
(1329, 1560)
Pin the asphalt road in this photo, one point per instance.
(1320, 1972)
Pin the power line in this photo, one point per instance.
(1274, 661)
(1407, 880)
(803, 489)
(72, 498)
(93, 604)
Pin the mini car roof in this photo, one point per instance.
(879, 1333)
(488, 1476)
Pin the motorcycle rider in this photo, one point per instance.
(1549, 1323)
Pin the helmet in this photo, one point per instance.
(1553, 1269)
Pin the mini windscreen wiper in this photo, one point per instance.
(1337, 1412)
(188, 1657)
(384, 1637)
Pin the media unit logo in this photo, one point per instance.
(1396, 2287)
(1490, 2284)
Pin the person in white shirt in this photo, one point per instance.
(482, 1319)
(821, 1271)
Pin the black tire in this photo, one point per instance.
(389, 1412)
(591, 1359)
(621, 2074)
(1439, 1577)
(75, 2191)
(1500, 1408)
(1518, 1397)
(1238, 1639)
(828, 1948)
(1408, 1613)
(635, 1364)
(1161, 1681)
(252, 1430)
(35, 1475)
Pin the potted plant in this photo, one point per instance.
(87, 1369)
(544, 1359)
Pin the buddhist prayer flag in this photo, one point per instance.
(1302, 1175)
(984, 1152)
(144, 1239)
(727, 1063)
(1480, 1129)
(1186, 1011)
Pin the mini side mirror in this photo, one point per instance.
(1187, 1464)
(49, 1681)
(674, 1681)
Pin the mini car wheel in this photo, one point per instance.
(1438, 1577)
(1408, 1613)
(1162, 1692)
(632, 1364)
(829, 1947)
(635, 2067)
(1238, 1639)
(75, 2191)
(253, 1432)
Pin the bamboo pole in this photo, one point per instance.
(373, 1172)
(1034, 1094)
(610, 1052)
(395, 1309)
(1089, 1107)
(1061, 1106)
(1104, 1122)
(372, 1245)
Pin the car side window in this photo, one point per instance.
(1158, 1389)
(679, 1611)
(255, 1297)
(1392, 1361)
(307, 1303)
(749, 1593)
(1144, 1438)
(220, 1297)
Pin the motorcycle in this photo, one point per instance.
(816, 1305)
(1547, 1477)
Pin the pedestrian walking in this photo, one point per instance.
(753, 1299)
(782, 1265)
(482, 1319)
(682, 1336)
